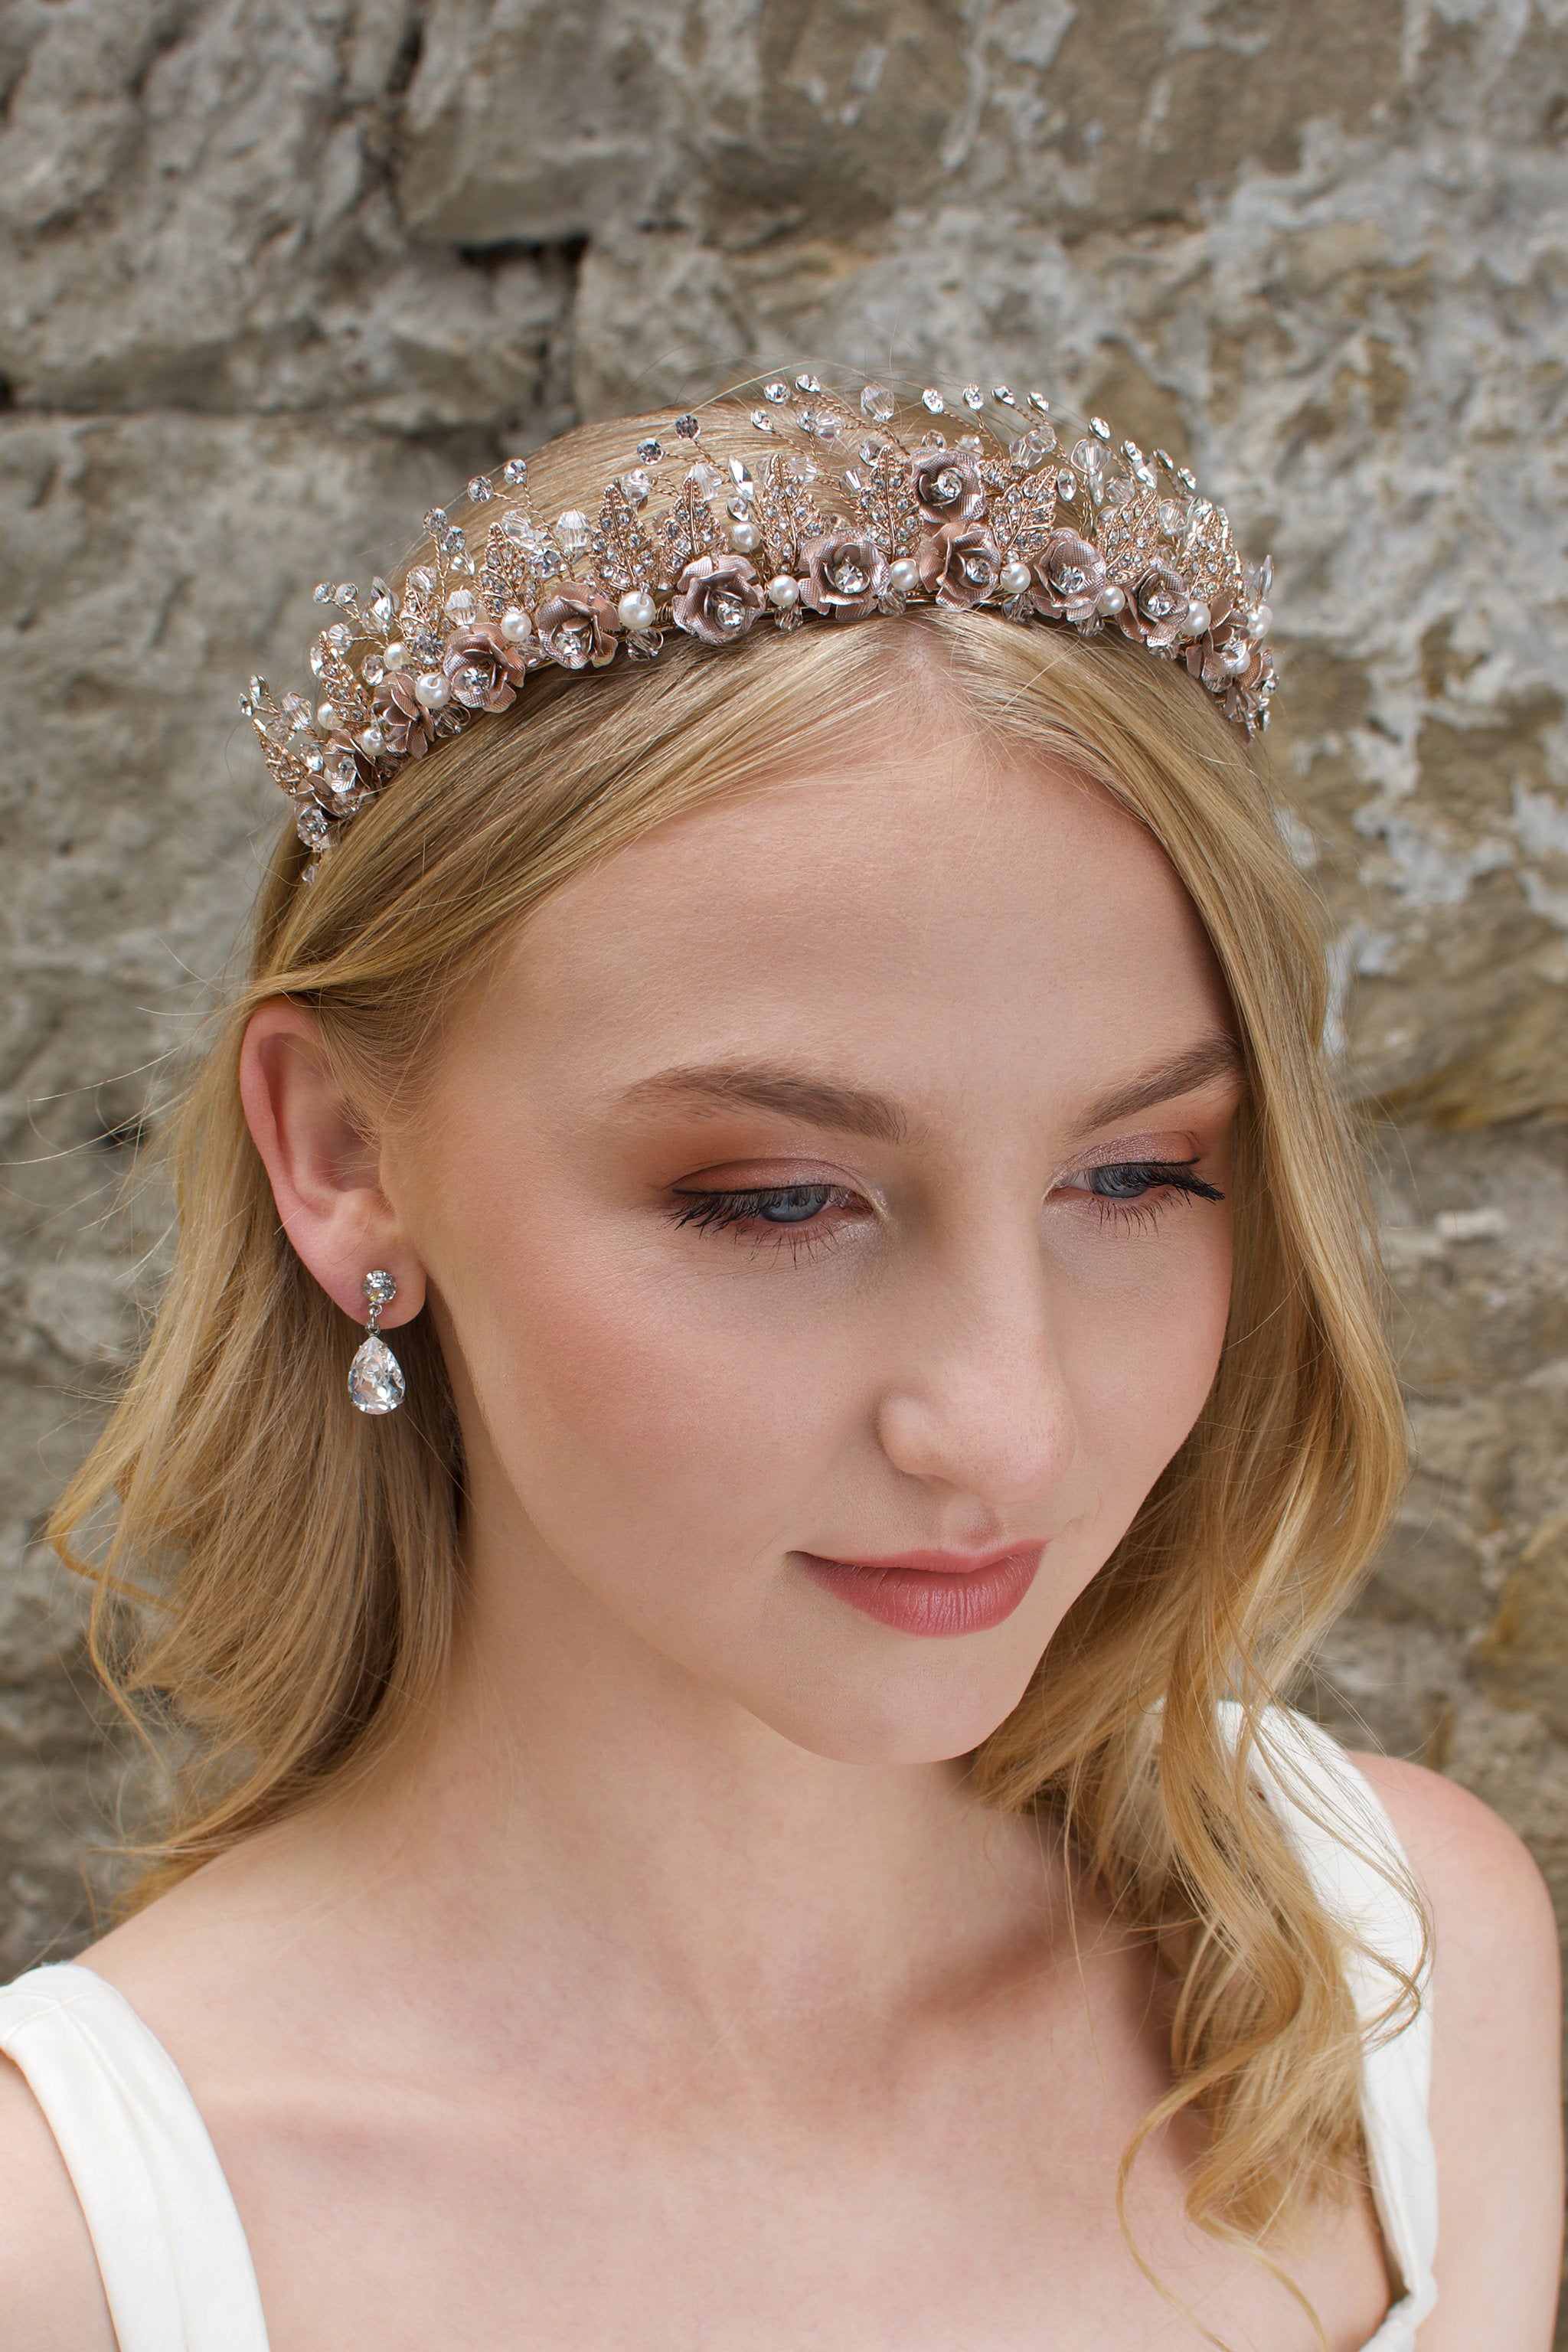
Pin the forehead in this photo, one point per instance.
(920, 897)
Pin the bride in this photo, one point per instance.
(742, 1798)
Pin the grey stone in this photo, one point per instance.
(272, 278)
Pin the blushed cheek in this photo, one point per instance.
(1140, 1366)
(634, 1425)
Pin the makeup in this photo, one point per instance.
(932, 1592)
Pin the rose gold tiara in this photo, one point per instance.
(978, 500)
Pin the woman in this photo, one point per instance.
(741, 1799)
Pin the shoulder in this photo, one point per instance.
(1490, 1910)
(49, 2288)
(1496, 2007)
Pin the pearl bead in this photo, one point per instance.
(433, 689)
(370, 739)
(783, 592)
(1109, 602)
(904, 575)
(1262, 620)
(745, 537)
(1199, 618)
(638, 611)
(1014, 581)
(516, 626)
(327, 715)
(396, 654)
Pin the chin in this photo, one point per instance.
(928, 1718)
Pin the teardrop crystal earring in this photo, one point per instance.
(375, 1377)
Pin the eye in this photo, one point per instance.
(772, 1214)
(1136, 1192)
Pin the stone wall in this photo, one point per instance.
(277, 272)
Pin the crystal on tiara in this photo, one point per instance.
(1095, 541)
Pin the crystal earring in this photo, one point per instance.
(375, 1377)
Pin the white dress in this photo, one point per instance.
(177, 2269)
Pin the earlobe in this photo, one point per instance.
(324, 1171)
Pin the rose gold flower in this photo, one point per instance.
(404, 722)
(1247, 696)
(578, 626)
(958, 565)
(1069, 578)
(1238, 672)
(1156, 608)
(349, 774)
(845, 575)
(483, 667)
(717, 598)
(947, 486)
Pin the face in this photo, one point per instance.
(824, 1214)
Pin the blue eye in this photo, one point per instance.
(1134, 1180)
(772, 1204)
(1122, 1183)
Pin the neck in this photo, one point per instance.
(575, 1797)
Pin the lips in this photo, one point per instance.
(932, 1592)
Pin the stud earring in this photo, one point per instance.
(375, 1377)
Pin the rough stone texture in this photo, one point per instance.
(272, 274)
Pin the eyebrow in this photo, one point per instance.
(819, 1102)
(1215, 1056)
(857, 1110)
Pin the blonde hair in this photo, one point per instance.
(296, 1573)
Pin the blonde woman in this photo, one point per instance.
(742, 1798)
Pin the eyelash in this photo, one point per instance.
(721, 1211)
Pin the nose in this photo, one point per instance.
(981, 1405)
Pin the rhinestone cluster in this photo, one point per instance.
(833, 514)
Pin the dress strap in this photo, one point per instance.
(1349, 1849)
(177, 2274)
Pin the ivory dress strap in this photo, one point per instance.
(176, 2269)
(1350, 1852)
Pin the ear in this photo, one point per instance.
(326, 1174)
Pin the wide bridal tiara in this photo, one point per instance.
(821, 503)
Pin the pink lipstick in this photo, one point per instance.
(932, 1592)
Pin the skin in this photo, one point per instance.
(666, 1986)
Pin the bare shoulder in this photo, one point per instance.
(1496, 2083)
(49, 2288)
(1491, 1908)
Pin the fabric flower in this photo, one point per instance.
(717, 598)
(578, 626)
(404, 722)
(845, 575)
(959, 565)
(1155, 612)
(483, 667)
(947, 486)
(1069, 579)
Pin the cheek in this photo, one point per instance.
(1140, 1341)
(636, 1417)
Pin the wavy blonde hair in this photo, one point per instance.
(294, 1572)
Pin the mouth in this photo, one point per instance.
(932, 1592)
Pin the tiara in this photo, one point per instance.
(848, 502)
